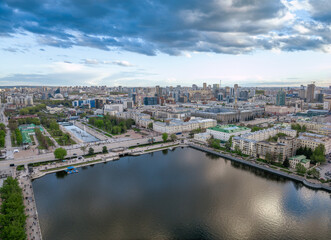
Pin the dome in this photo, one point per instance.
(58, 96)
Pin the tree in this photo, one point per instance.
(12, 212)
(300, 168)
(314, 172)
(319, 154)
(60, 153)
(165, 137)
(83, 148)
(104, 149)
(286, 163)
(173, 137)
(150, 125)
(90, 151)
(268, 157)
(228, 144)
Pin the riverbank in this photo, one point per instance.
(264, 168)
(101, 158)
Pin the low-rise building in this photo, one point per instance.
(224, 132)
(202, 137)
(299, 159)
(279, 110)
(177, 125)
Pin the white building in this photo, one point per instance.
(177, 125)
(112, 108)
(224, 132)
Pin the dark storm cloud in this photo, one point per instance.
(149, 27)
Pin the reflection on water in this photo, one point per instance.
(180, 194)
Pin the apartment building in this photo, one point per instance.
(255, 144)
(311, 140)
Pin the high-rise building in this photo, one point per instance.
(150, 100)
(320, 97)
(310, 92)
(302, 92)
(227, 91)
(204, 86)
(280, 100)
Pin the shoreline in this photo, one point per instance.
(107, 159)
(270, 170)
(295, 178)
(171, 147)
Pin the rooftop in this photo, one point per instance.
(229, 128)
(299, 157)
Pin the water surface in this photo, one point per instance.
(180, 194)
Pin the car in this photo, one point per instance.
(16, 151)
(11, 165)
(75, 154)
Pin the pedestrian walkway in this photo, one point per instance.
(32, 222)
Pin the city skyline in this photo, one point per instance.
(147, 43)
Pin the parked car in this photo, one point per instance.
(16, 150)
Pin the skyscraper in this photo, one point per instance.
(204, 86)
(280, 100)
(310, 92)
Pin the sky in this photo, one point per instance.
(263, 43)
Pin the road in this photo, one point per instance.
(96, 146)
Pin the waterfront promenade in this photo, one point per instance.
(33, 230)
(296, 178)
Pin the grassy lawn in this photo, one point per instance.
(57, 139)
(285, 171)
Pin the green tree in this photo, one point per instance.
(19, 138)
(319, 154)
(173, 137)
(268, 157)
(314, 172)
(60, 153)
(24, 111)
(90, 151)
(228, 144)
(104, 149)
(286, 163)
(12, 217)
(83, 148)
(165, 137)
(150, 125)
(300, 168)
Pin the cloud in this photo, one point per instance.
(117, 62)
(11, 49)
(122, 63)
(172, 27)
